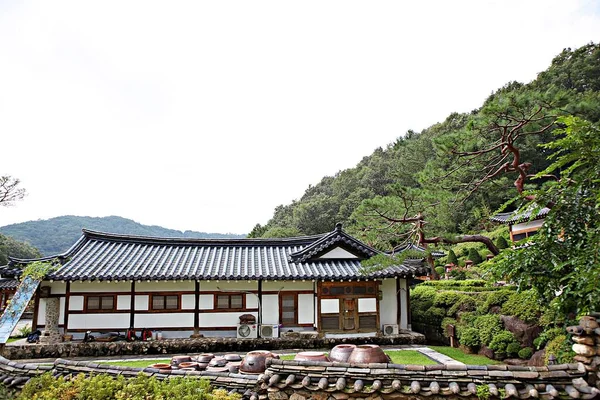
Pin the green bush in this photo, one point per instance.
(464, 303)
(105, 387)
(547, 336)
(446, 298)
(440, 270)
(452, 259)
(421, 299)
(525, 353)
(513, 348)
(501, 243)
(448, 321)
(523, 305)
(496, 298)
(433, 315)
(454, 284)
(560, 347)
(501, 340)
(468, 318)
(475, 256)
(469, 337)
(488, 325)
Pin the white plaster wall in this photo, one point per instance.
(104, 287)
(270, 309)
(214, 286)
(142, 301)
(214, 320)
(76, 303)
(41, 317)
(207, 302)
(251, 301)
(388, 305)
(99, 321)
(403, 304)
(269, 286)
(153, 286)
(528, 225)
(306, 313)
(160, 320)
(56, 287)
(329, 306)
(367, 305)
(61, 316)
(188, 301)
(124, 302)
(338, 253)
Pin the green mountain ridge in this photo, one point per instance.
(56, 235)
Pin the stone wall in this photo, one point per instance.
(191, 346)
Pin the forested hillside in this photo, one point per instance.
(452, 173)
(14, 248)
(56, 235)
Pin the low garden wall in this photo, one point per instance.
(189, 346)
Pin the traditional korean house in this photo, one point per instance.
(522, 224)
(8, 287)
(179, 286)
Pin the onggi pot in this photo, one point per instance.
(366, 354)
(255, 361)
(341, 352)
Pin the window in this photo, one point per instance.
(165, 302)
(100, 303)
(230, 301)
(289, 307)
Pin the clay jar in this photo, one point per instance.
(161, 366)
(311, 356)
(204, 358)
(341, 352)
(366, 354)
(254, 362)
(217, 362)
(176, 360)
(188, 366)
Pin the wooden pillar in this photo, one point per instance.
(260, 302)
(398, 303)
(132, 306)
(36, 306)
(314, 307)
(67, 301)
(197, 307)
(409, 319)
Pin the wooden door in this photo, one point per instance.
(349, 314)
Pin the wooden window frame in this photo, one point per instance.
(376, 285)
(87, 309)
(295, 295)
(228, 308)
(165, 309)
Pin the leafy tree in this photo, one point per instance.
(257, 231)
(10, 247)
(280, 232)
(10, 190)
(563, 259)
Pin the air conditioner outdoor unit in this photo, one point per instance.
(269, 330)
(246, 331)
(391, 329)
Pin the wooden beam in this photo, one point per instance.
(36, 307)
(67, 301)
(398, 303)
(260, 302)
(197, 307)
(132, 306)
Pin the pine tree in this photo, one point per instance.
(475, 256)
(452, 258)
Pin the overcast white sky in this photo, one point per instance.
(206, 115)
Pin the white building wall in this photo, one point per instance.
(124, 302)
(142, 301)
(61, 315)
(251, 300)
(367, 305)
(275, 286)
(388, 305)
(528, 225)
(330, 306)
(41, 316)
(306, 314)
(164, 320)
(207, 302)
(213, 320)
(215, 286)
(188, 301)
(103, 287)
(160, 286)
(270, 309)
(76, 303)
(99, 321)
(56, 287)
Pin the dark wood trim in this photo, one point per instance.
(197, 307)
(259, 295)
(218, 328)
(318, 321)
(287, 291)
(36, 309)
(229, 294)
(377, 309)
(295, 296)
(165, 309)
(105, 293)
(67, 302)
(100, 311)
(314, 297)
(93, 312)
(398, 302)
(132, 305)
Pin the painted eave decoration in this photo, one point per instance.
(113, 257)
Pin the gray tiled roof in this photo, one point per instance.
(103, 256)
(8, 283)
(513, 217)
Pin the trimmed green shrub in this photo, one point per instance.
(560, 346)
(489, 326)
(475, 256)
(513, 348)
(501, 340)
(501, 243)
(440, 270)
(464, 303)
(434, 315)
(547, 336)
(469, 337)
(468, 318)
(446, 298)
(496, 298)
(452, 259)
(523, 305)
(448, 321)
(105, 387)
(525, 353)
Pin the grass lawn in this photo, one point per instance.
(409, 357)
(13, 339)
(469, 359)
